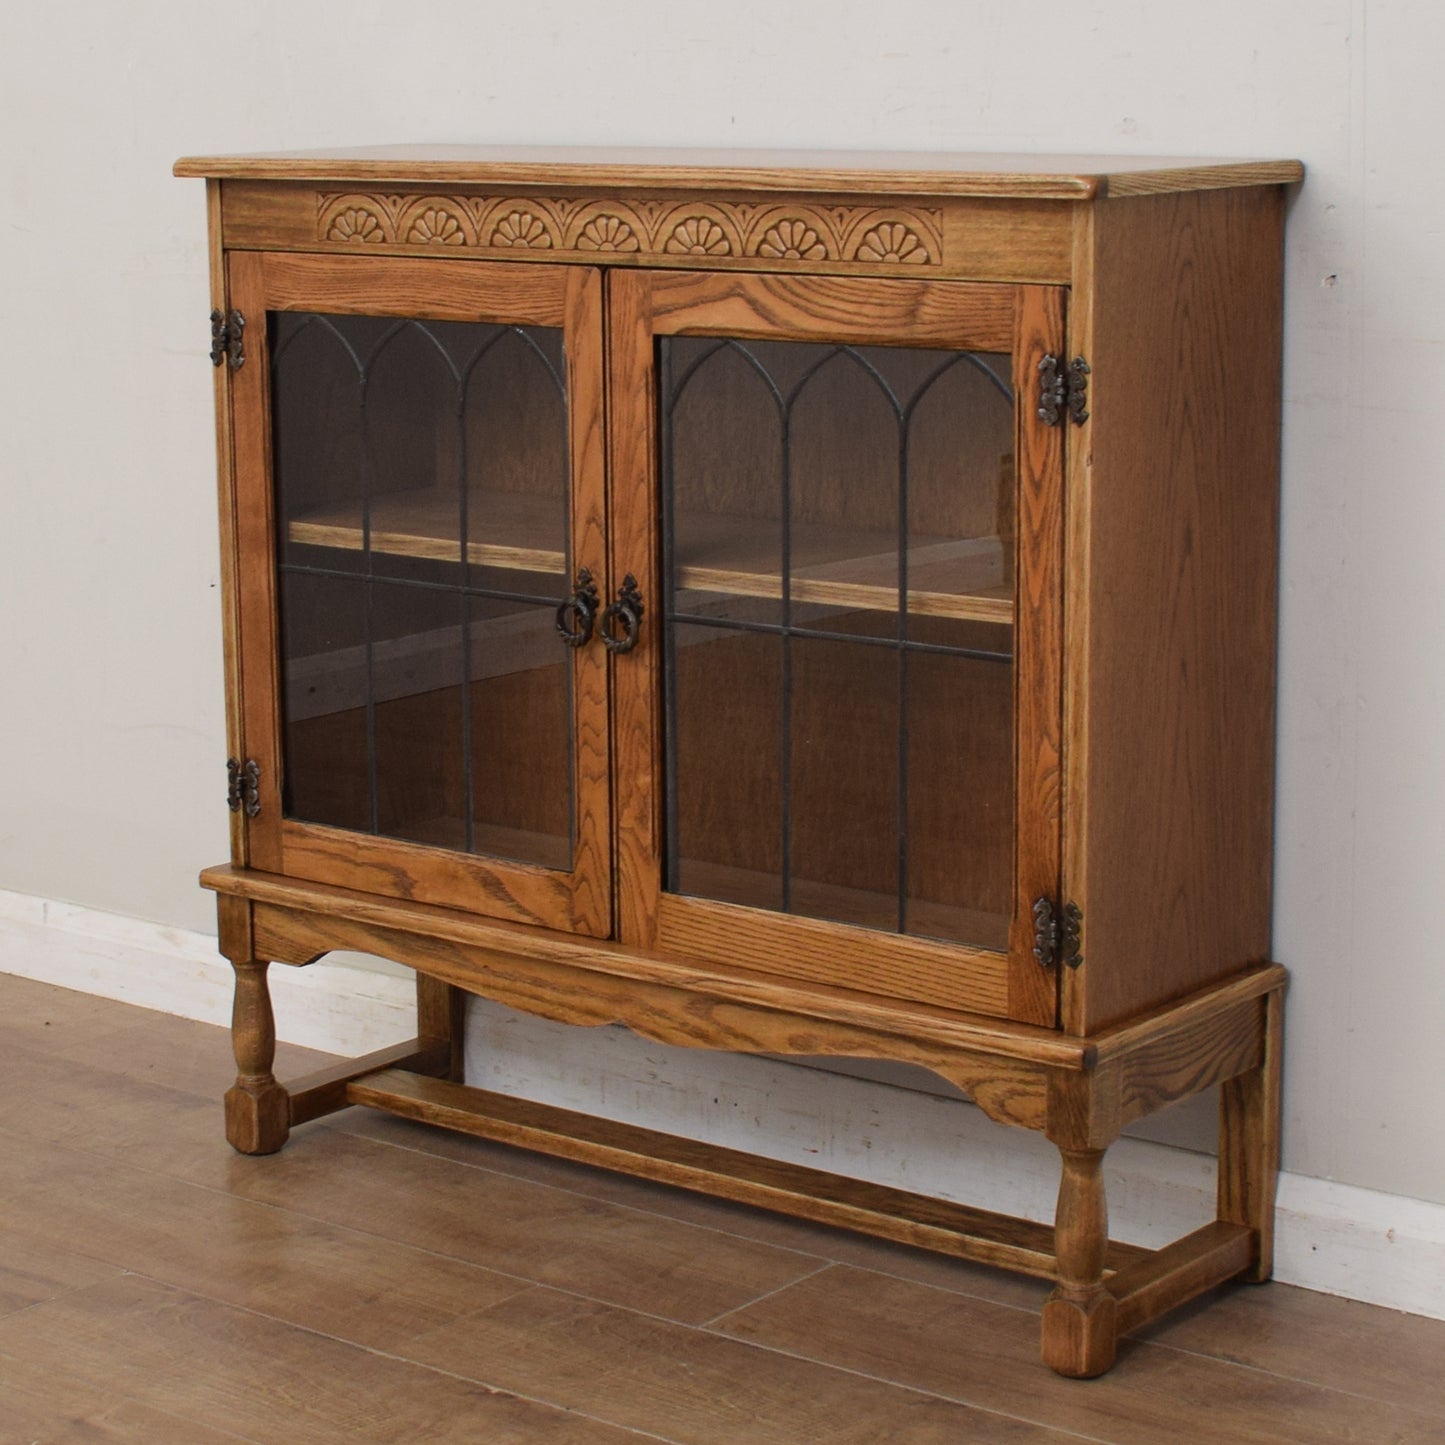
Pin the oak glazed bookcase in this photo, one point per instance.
(820, 604)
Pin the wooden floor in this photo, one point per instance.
(377, 1282)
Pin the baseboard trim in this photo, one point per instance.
(1336, 1238)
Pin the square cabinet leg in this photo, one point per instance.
(1249, 1130)
(258, 1109)
(441, 1011)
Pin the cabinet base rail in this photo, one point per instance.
(1144, 1283)
(1079, 1092)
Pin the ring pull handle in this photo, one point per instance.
(577, 613)
(622, 620)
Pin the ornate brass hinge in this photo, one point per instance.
(227, 339)
(1062, 389)
(1058, 939)
(243, 791)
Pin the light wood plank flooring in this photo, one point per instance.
(377, 1282)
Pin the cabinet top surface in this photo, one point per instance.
(944, 173)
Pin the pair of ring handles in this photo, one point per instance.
(620, 623)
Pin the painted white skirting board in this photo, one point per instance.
(1381, 1248)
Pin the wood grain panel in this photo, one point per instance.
(962, 315)
(253, 571)
(504, 293)
(389, 866)
(1039, 647)
(1187, 1061)
(637, 676)
(1179, 1272)
(226, 519)
(324, 1092)
(1176, 475)
(949, 975)
(1009, 1091)
(299, 919)
(1250, 1113)
(1062, 177)
(591, 887)
(981, 239)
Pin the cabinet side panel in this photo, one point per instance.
(226, 516)
(1171, 714)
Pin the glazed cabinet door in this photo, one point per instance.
(419, 498)
(838, 740)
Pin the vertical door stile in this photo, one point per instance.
(636, 686)
(1038, 632)
(226, 509)
(254, 561)
(587, 515)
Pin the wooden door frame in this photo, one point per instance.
(568, 297)
(1024, 320)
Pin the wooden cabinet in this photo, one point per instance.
(809, 604)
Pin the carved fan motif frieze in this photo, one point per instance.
(783, 232)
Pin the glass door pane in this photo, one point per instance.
(421, 479)
(839, 592)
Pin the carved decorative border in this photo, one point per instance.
(771, 231)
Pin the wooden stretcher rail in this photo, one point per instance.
(946, 1228)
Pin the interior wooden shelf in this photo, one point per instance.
(522, 529)
(737, 556)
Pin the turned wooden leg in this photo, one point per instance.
(1080, 1331)
(1249, 1127)
(257, 1107)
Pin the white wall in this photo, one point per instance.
(111, 740)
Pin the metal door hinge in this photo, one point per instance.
(227, 339)
(1063, 389)
(1058, 939)
(243, 791)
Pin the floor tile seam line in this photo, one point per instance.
(231, 1194)
(378, 1353)
(164, 1410)
(825, 1262)
(510, 1393)
(950, 1399)
(766, 1295)
(827, 1259)
(524, 1282)
(1283, 1376)
(66, 1293)
(527, 1285)
(352, 1229)
(1064, 1432)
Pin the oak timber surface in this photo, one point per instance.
(109, 1125)
(1171, 748)
(1060, 177)
(333, 909)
